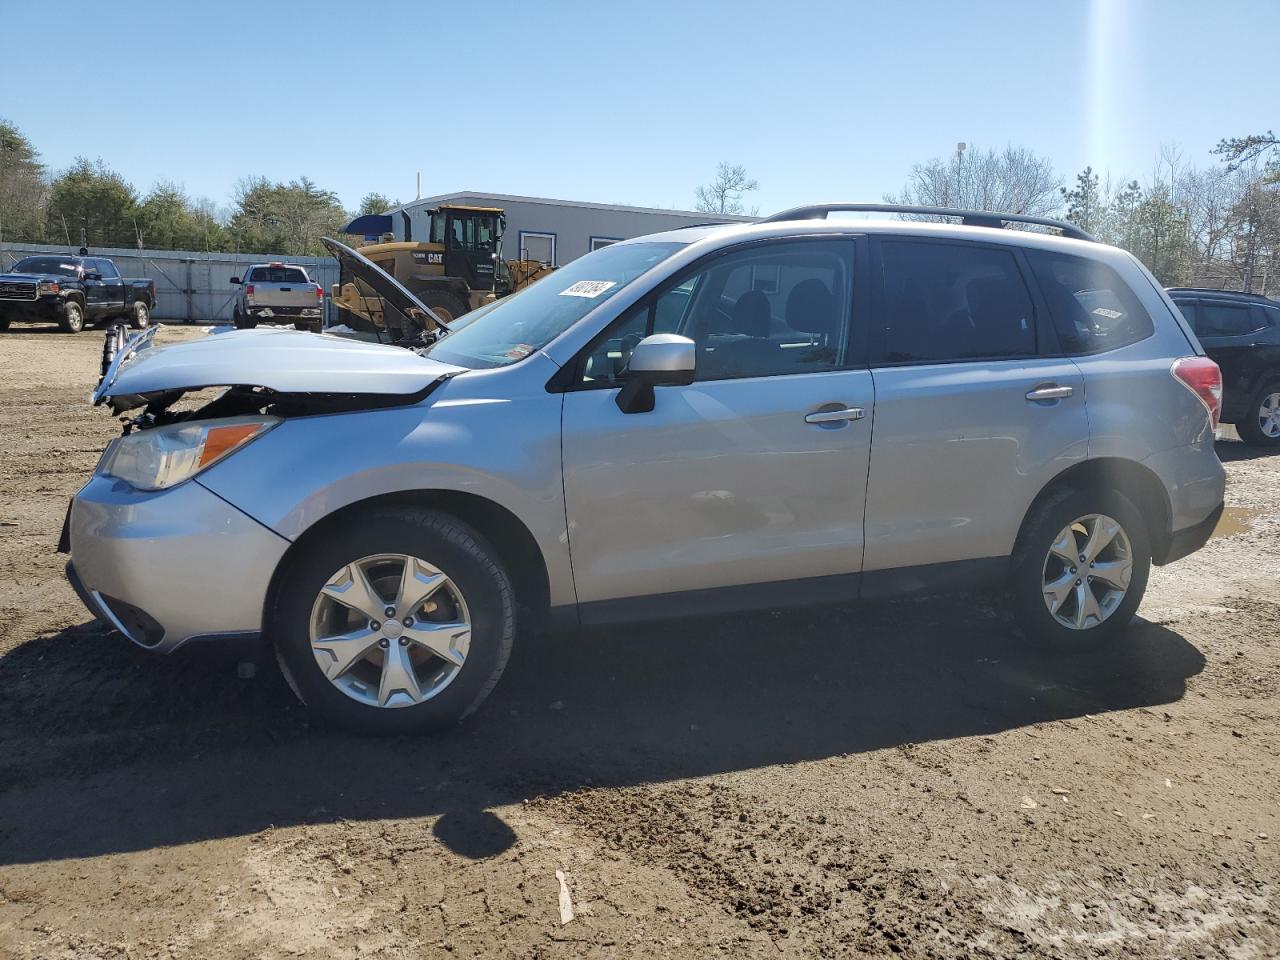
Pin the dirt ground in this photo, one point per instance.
(896, 779)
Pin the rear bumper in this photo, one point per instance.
(1196, 483)
(266, 313)
(171, 566)
(1190, 539)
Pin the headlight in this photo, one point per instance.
(48, 286)
(165, 456)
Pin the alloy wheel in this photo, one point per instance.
(390, 630)
(1269, 416)
(1087, 571)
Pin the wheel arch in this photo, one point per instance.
(1139, 484)
(505, 531)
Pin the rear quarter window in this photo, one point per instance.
(1093, 309)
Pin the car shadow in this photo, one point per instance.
(1233, 451)
(105, 749)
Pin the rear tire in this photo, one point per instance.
(448, 306)
(376, 538)
(1039, 564)
(243, 321)
(1260, 425)
(139, 316)
(72, 319)
(4, 322)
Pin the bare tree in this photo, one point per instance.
(1013, 180)
(724, 193)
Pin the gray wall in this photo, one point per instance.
(190, 286)
(572, 223)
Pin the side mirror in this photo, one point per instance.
(662, 360)
(235, 281)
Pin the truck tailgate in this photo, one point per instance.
(283, 295)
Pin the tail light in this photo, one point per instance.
(248, 290)
(1202, 377)
(319, 292)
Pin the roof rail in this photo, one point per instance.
(1209, 291)
(970, 218)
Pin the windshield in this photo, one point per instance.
(516, 326)
(50, 265)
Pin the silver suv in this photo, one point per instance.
(718, 418)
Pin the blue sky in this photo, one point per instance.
(628, 102)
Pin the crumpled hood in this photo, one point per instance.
(284, 361)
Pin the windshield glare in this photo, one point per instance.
(516, 326)
(48, 265)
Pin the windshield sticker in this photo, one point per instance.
(1109, 314)
(588, 288)
(519, 351)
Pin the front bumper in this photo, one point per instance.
(169, 566)
(42, 310)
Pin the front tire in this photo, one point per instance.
(139, 316)
(1080, 569)
(400, 621)
(1260, 426)
(72, 319)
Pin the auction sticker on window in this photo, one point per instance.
(588, 288)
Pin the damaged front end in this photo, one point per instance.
(275, 373)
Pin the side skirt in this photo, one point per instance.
(844, 588)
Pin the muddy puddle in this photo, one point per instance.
(1235, 520)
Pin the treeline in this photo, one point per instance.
(1215, 225)
(93, 204)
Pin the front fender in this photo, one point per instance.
(506, 450)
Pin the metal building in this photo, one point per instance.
(555, 231)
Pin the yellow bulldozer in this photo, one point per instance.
(457, 268)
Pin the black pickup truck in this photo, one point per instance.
(72, 291)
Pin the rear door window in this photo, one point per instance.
(1093, 309)
(948, 302)
(1221, 319)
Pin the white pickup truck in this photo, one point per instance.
(277, 293)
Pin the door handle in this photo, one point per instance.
(834, 416)
(1049, 391)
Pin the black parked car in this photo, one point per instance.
(1241, 333)
(72, 291)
